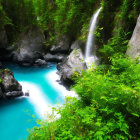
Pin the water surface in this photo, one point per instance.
(17, 115)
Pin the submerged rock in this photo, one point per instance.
(134, 45)
(27, 94)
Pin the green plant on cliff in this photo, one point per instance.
(64, 17)
(16, 16)
(108, 108)
(117, 44)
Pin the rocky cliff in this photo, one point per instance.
(134, 43)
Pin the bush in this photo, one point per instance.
(109, 106)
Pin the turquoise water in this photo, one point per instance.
(16, 115)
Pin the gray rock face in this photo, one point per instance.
(9, 87)
(54, 58)
(9, 83)
(62, 46)
(73, 63)
(78, 45)
(134, 49)
(29, 47)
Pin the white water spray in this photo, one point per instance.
(90, 45)
(37, 98)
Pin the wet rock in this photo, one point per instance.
(14, 94)
(9, 83)
(9, 87)
(27, 94)
(54, 58)
(73, 63)
(40, 62)
(134, 45)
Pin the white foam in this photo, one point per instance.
(53, 77)
(40, 102)
(42, 105)
(92, 61)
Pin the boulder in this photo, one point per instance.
(73, 63)
(27, 94)
(134, 44)
(54, 58)
(40, 62)
(9, 87)
(62, 45)
(29, 47)
(9, 84)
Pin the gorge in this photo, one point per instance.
(69, 69)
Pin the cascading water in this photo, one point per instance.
(90, 53)
(44, 93)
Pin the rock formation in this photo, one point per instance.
(134, 44)
(73, 63)
(29, 47)
(9, 87)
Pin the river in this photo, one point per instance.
(18, 115)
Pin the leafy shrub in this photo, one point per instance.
(116, 45)
(108, 108)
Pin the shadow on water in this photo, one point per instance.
(8, 102)
(10, 65)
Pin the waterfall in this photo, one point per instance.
(90, 44)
